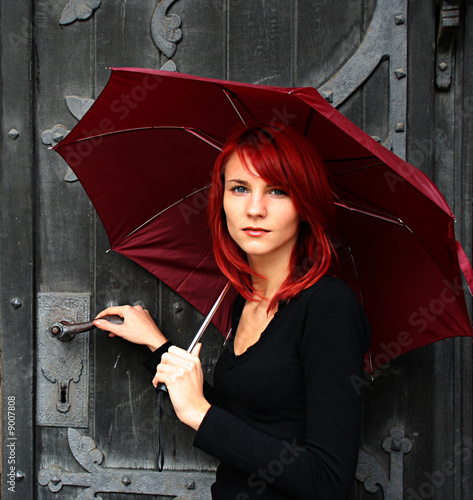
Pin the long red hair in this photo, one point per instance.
(285, 159)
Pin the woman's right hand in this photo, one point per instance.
(138, 326)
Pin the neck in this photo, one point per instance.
(274, 274)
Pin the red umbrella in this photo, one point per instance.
(144, 153)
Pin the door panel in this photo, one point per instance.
(84, 411)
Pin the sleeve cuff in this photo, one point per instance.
(153, 360)
(206, 430)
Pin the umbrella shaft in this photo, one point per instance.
(208, 318)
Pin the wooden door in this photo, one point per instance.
(80, 417)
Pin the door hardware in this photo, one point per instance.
(65, 331)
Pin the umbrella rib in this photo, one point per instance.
(394, 220)
(204, 138)
(160, 213)
(309, 121)
(227, 95)
(352, 159)
(359, 169)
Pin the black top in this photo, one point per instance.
(286, 414)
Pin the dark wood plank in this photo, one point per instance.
(62, 208)
(17, 179)
(202, 50)
(328, 33)
(260, 42)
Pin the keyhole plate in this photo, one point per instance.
(62, 395)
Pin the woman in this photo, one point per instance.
(283, 416)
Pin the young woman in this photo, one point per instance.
(283, 416)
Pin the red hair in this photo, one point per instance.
(284, 159)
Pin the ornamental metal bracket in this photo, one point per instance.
(371, 473)
(78, 10)
(386, 38)
(78, 107)
(449, 21)
(166, 31)
(176, 484)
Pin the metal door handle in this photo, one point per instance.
(66, 331)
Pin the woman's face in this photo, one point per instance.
(261, 219)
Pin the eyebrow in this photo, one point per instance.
(238, 181)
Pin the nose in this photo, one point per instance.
(256, 207)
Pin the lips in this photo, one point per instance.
(255, 231)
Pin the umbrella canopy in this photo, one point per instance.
(144, 153)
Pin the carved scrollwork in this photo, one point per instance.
(78, 10)
(386, 38)
(98, 479)
(166, 30)
(370, 472)
(78, 107)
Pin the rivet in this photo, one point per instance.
(58, 136)
(190, 485)
(400, 73)
(13, 134)
(19, 475)
(396, 445)
(399, 127)
(126, 480)
(443, 66)
(328, 95)
(16, 303)
(399, 19)
(177, 306)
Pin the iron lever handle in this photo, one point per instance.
(66, 331)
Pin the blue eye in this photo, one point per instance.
(239, 189)
(279, 192)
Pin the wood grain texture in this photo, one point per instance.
(52, 241)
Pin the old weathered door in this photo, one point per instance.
(80, 417)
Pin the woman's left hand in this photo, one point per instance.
(181, 371)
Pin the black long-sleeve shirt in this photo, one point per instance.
(286, 414)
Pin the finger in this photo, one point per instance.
(181, 353)
(162, 374)
(179, 358)
(196, 350)
(118, 310)
(107, 326)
